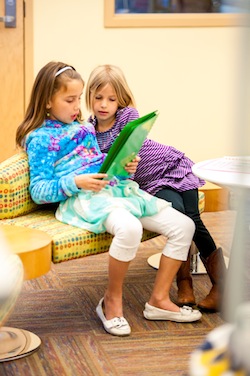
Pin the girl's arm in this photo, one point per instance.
(53, 178)
(45, 185)
(125, 115)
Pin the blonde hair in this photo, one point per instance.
(113, 75)
(50, 79)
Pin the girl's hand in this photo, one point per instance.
(91, 182)
(132, 166)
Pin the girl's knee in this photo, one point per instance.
(190, 225)
(126, 241)
(131, 231)
(187, 229)
(183, 228)
(184, 223)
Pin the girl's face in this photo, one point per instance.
(66, 102)
(105, 105)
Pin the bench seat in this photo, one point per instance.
(18, 209)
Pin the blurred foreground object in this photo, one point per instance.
(225, 351)
(14, 343)
(11, 278)
(239, 341)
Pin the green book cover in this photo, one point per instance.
(127, 145)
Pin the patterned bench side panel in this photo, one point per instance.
(15, 198)
(201, 201)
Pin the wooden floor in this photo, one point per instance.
(60, 308)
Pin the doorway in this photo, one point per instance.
(15, 63)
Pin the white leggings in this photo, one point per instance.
(127, 231)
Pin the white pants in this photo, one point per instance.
(127, 231)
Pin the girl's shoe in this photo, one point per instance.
(118, 326)
(186, 314)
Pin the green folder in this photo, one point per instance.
(127, 145)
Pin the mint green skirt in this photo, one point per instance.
(89, 210)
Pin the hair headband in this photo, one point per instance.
(62, 70)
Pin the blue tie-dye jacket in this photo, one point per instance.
(57, 152)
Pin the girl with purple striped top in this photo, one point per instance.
(163, 171)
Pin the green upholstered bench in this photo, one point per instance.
(17, 208)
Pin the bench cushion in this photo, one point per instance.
(68, 242)
(17, 208)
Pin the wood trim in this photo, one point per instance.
(168, 20)
(28, 51)
(216, 198)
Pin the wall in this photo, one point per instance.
(188, 74)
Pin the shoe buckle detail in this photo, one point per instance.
(188, 308)
(116, 322)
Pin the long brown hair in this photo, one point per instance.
(46, 84)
